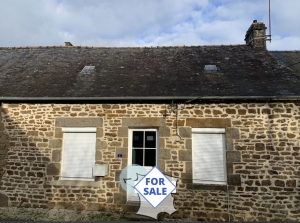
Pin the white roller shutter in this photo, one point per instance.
(209, 164)
(78, 155)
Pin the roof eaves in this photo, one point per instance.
(129, 98)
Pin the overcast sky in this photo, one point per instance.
(145, 22)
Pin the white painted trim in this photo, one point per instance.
(130, 130)
(208, 130)
(131, 197)
(77, 129)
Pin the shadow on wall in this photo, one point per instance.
(27, 155)
(4, 143)
(22, 164)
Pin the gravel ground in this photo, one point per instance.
(50, 215)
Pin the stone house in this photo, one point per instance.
(223, 119)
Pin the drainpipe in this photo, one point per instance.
(177, 132)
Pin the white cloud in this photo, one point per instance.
(147, 22)
(287, 43)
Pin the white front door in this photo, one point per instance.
(142, 150)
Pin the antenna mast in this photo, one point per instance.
(269, 36)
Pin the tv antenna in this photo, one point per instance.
(269, 37)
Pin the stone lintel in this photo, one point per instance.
(208, 122)
(79, 122)
(143, 122)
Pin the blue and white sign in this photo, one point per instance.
(155, 187)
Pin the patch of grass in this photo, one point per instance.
(164, 216)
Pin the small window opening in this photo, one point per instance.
(88, 69)
(210, 68)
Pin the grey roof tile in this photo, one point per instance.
(144, 72)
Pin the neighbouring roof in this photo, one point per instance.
(159, 72)
(290, 58)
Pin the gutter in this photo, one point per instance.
(159, 98)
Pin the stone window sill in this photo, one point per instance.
(192, 186)
(77, 183)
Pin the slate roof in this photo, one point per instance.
(143, 72)
(290, 58)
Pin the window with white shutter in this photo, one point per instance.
(78, 155)
(209, 155)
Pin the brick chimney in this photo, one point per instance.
(256, 35)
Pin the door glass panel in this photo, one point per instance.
(138, 139)
(150, 139)
(150, 157)
(137, 156)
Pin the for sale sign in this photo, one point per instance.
(155, 187)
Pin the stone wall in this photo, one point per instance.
(262, 142)
(4, 141)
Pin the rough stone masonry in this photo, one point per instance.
(262, 144)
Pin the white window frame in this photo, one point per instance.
(65, 173)
(134, 197)
(196, 152)
(130, 131)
